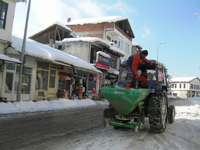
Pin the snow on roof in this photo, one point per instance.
(55, 23)
(42, 51)
(117, 50)
(7, 58)
(104, 54)
(182, 79)
(93, 39)
(96, 20)
(86, 39)
(113, 71)
(136, 44)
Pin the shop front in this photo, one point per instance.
(64, 82)
(45, 85)
(103, 62)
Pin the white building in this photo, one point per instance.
(185, 87)
(7, 11)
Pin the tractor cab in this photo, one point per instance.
(156, 76)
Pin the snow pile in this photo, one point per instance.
(191, 111)
(29, 106)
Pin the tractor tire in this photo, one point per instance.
(158, 112)
(171, 114)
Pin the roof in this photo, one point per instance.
(136, 44)
(55, 23)
(9, 59)
(93, 39)
(121, 22)
(183, 79)
(44, 52)
(96, 20)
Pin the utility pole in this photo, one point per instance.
(22, 55)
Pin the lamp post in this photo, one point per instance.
(197, 14)
(158, 47)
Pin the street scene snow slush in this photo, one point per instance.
(76, 125)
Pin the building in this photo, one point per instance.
(45, 67)
(114, 29)
(185, 87)
(98, 52)
(55, 32)
(7, 11)
(136, 48)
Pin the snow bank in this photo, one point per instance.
(29, 106)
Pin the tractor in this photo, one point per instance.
(129, 107)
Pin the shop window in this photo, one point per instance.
(3, 13)
(26, 80)
(90, 83)
(52, 78)
(41, 79)
(8, 82)
(113, 62)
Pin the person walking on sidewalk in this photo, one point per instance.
(133, 62)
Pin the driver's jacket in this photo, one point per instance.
(134, 61)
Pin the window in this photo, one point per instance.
(52, 78)
(120, 43)
(26, 80)
(191, 86)
(9, 81)
(172, 85)
(180, 86)
(42, 76)
(184, 86)
(3, 13)
(114, 62)
(175, 85)
(108, 38)
(127, 47)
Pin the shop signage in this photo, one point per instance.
(65, 69)
(103, 60)
(102, 66)
(64, 77)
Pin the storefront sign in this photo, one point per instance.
(102, 66)
(103, 60)
(64, 77)
(65, 69)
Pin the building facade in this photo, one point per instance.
(99, 53)
(185, 87)
(115, 29)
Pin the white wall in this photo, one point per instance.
(78, 49)
(5, 34)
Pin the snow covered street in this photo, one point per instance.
(76, 125)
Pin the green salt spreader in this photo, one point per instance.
(129, 107)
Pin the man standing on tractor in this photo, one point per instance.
(133, 62)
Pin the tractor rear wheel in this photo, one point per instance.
(158, 112)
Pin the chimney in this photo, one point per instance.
(51, 40)
(69, 19)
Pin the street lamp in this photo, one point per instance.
(158, 47)
(197, 14)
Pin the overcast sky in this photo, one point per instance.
(152, 21)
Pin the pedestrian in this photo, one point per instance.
(133, 62)
(143, 78)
